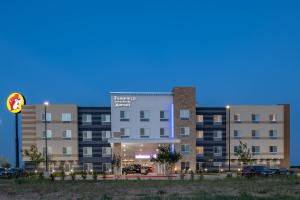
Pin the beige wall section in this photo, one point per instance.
(264, 126)
(185, 98)
(33, 127)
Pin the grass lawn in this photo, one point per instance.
(229, 188)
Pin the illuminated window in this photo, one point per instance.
(200, 119)
(200, 135)
(217, 119)
(200, 150)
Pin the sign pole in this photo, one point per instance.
(17, 141)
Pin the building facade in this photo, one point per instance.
(137, 123)
(211, 137)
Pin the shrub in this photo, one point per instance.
(73, 176)
(83, 175)
(192, 175)
(95, 175)
(62, 175)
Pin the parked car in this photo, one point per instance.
(256, 170)
(2, 171)
(281, 171)
(146, 170)
(13, 172)
(132, 169)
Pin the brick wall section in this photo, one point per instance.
(286, 160)
(185, 98)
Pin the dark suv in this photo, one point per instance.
(132, 169)
(256, 170)
(281, 171)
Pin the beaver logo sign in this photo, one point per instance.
(14, 102)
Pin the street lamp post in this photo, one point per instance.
(46, 135)
(229, 156)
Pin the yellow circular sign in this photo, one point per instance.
(14, 102)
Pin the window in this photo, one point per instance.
(144, 132)
(273, 134)
(66, 117)
(273, 118)
(105, 118)
(235, 150)
(106, 151)
(106, 167)
(67, 151)
(237, 134)
(255, 150)
(144, 115)
(67, 134)
(185, 166)
(237, 118)
(164, 132)
(273, 149)
(184, 114)
(49, 134)
(217, 119)
(217, 135)
(124, 115)
(87, 135)
(87, 151)
(105, 134)
(255, 118)
(86, 119)
(49, 117)
(88, 167)
(185, 148)
(125, 132)
(200, 135)
(200, 150)
(185, 131)
(49, 152)
(217, 150)
(255, 134)
(164, 115)
(200, 119)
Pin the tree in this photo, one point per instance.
(116, 163)
(34, 155)
(167, 158)
(244, 153)
(4, 163)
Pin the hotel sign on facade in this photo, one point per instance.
(123, 101)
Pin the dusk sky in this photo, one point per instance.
(76, 52)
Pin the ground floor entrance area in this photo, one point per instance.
(138, 158)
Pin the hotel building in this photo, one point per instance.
(137, 123)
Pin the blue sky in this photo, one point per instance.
(76, 52)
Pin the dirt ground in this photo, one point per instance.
(229, 188)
